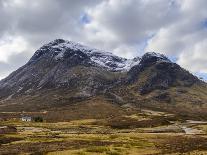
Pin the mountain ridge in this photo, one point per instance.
(63, 73)
(60, 48)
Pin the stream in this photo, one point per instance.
(188, 127)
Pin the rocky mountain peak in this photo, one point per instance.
(152, 58)
(160, 73)
(63, 50)
(62, 63)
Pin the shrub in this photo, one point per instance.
(38, 119)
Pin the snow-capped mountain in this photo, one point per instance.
(63, 72)
(62, 63)
(61, 49)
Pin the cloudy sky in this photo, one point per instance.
(128, 28)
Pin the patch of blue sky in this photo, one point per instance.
(141, 46)
(202, 76)
(84, 19)
(204, 23)
(173, 58)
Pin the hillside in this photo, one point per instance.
(63, 75)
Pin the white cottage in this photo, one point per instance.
(26, 119)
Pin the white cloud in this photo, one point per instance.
(195, 57)
(10, 46)
(129, 51)
(186, 37)
(177, 28)
(128, 22)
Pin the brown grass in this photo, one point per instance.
(183, 144)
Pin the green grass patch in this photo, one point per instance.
(113, 153)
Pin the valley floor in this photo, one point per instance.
(93, 136)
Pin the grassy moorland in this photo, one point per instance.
(145, 133)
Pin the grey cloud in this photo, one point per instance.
(42, 19)
(172, 27)
(14, 62)
(131, 21)
(38, 22)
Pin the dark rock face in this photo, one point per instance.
(64, 64)
(163, 73)
(149, 59)
(163, 96)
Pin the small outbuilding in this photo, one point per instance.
(26, 119)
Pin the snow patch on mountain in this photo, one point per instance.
(107, 60)
(60, 47)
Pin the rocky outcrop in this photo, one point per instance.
(162, 73)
